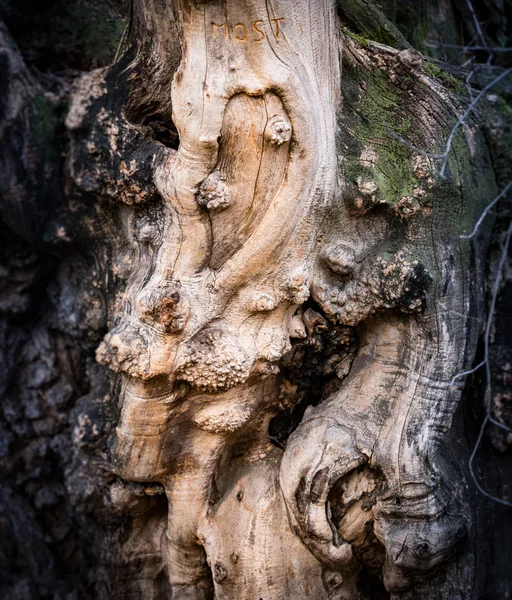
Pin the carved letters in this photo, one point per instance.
(243, 32)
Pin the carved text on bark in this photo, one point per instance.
(241, 31)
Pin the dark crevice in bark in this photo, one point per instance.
(312, 370)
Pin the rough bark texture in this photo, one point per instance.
(234, 303)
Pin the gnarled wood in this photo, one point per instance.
(275, 214)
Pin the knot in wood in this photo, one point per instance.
(164, 306)
(411, 58)
(220, 572)
(262, 303)
(340, 259)
(213, 193)
(125, 351)
(279, 130)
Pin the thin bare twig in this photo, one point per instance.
(487, 210)
(461, 119)
(464, 373)
(399, 138)
(488, 416)
(120, 43)
(444, 156)
(471, 74)
(468, 49)
(477, 23)
(470, 61)
(472, 470)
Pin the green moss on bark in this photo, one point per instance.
(385, 97)
(447, 79)
(368, 20)
(379, 111)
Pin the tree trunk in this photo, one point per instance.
(238, 303)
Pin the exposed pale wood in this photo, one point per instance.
(281, 215)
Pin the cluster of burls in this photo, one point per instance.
(213, 193)
(125, 351)
(365, 193)
(214, 361)
(399, 282)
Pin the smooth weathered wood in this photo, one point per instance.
(254, 104)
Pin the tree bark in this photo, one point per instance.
(258, 306)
